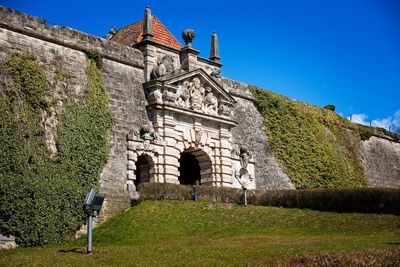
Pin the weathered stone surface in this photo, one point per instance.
(128, 112)
(381, 159)
(7, 242)
(249, 133)
(66, 37)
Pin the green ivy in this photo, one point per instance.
(95, 56)
(367, 131)
(40, 198)
(316, 147)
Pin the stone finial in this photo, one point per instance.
(188, 36)
(147, 25)
(214, 52)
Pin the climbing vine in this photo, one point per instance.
(316, 147)
(41, 198)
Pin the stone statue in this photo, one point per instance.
(145, 132)
(244, 178)
(216, 74)
(211, 103)
(165, 66)
(244, 157)
(197, 93)
(195, 96)
(225, 110)
(183, 95)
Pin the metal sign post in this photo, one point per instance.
(89, 236)
(245, 196)
(91, 205)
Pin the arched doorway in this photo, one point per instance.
(144, 170)
(194, 165)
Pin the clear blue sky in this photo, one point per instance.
(341, 52)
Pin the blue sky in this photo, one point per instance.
(340, 52)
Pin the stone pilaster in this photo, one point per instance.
(225, 154)
(171, 153)
(188, 58)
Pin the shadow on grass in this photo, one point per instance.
(73, 250)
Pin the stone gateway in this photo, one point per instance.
(188, 138)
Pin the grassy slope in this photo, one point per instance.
(185, 233)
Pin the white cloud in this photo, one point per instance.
(359, 118)
(396, 120)
(384, 123)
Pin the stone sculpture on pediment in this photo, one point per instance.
(216, 74)
(197, 94)
(211, 103)
(183, 95)
(194, 95)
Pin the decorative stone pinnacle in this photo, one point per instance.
(147, 25)
(214, 52)
(188, 36)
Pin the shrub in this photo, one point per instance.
(330, 107)
(365, 200)
(41, 199)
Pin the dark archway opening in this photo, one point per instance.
(189, 169)
(142, 170)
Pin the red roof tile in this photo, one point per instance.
(132, 33)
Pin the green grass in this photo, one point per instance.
(186, 233)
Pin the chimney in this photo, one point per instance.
(147, 25)
(214, 52)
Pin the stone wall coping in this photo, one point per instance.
(237, 89)
(38, 28)
(209, 62)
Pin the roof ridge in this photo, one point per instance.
(133, 33)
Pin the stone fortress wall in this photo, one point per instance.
(63, 49)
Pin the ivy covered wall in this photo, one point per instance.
(40, 195)
(316, 147)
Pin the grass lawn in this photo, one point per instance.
(186, 233)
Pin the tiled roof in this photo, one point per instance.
(132, 33)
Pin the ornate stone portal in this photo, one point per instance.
(189, 136)
(190, 113)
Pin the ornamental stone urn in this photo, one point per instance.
(188, 36)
